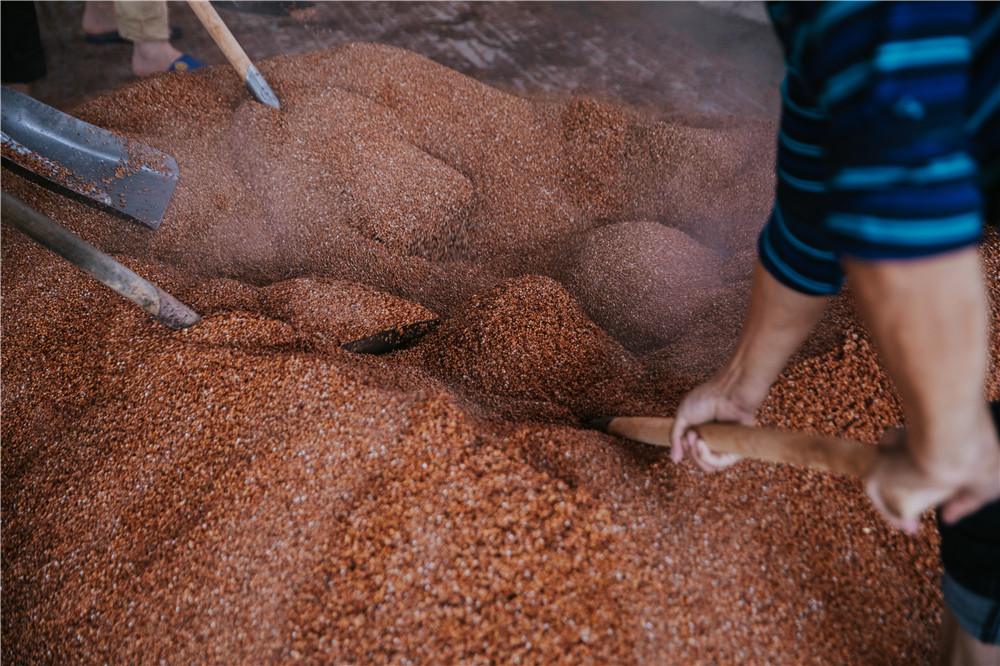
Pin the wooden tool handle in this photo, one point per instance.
(829, 454)
(157, 303)
(234, 52)
(223, 37)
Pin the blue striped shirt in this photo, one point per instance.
(889, 145)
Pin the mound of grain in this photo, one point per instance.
(528, 340)
(643, 282)
(242, 492)
(339, 311)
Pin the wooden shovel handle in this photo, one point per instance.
(829, 454)
(223, 37)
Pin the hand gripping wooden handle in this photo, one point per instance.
(829, 454)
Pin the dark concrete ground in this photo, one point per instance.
(718, 57)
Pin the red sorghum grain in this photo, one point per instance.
(246, 491)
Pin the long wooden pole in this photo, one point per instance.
(829, 454)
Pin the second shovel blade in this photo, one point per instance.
(75, 158)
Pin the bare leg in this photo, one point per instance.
(147, 56)
(99, 17)
(959, 648)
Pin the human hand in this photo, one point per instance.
(902, 489)
(705, 404)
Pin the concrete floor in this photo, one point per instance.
(717, 57)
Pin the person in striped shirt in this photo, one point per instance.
(888, 167)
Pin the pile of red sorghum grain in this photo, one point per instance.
(246, 491)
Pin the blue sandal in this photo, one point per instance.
(185, 64)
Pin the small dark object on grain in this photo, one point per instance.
(392, 340)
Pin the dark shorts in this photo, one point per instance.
(970, 553)
(980, 616)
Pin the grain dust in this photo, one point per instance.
(246, 490)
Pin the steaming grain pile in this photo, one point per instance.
(247, 491)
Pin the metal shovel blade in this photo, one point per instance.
(392, 339)
(80, 160)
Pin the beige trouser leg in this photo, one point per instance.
(140, 21)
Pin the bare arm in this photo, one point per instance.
(777, 321)
(928, 319)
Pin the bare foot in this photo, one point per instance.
(99, 17)
(151, 57)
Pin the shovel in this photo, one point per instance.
(82, 161)
(234, 52)
(392, 339)
(157, 303)
(827, 454)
